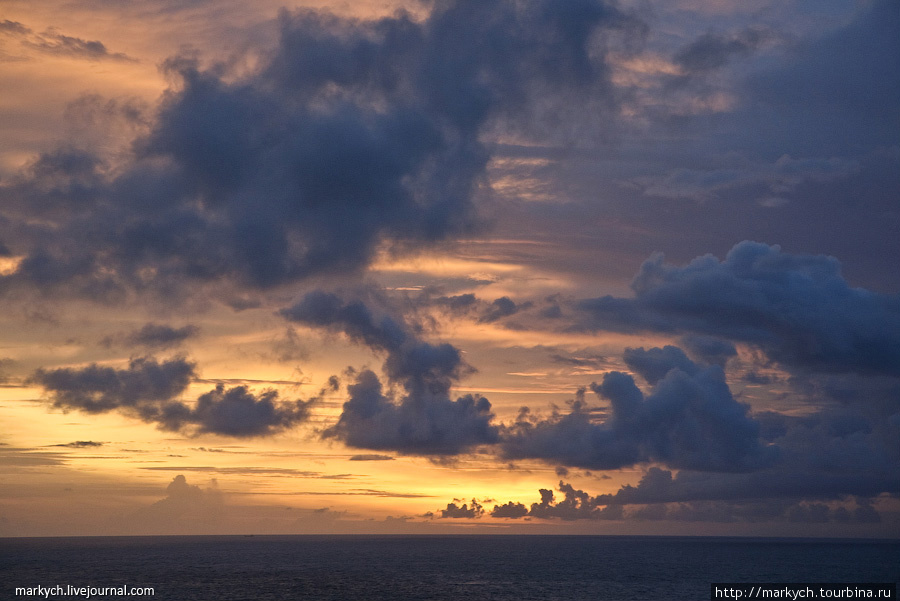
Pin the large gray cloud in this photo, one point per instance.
(349, 136)
(797, 308)
(689, 420)
(149, 390)
(422, 419)
(97, 389)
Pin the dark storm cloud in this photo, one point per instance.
(351, 135)
(424, 419)
(690, 420)
(149, 389)
(797, 308)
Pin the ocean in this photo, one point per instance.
(431, 568)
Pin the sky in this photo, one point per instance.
(448, 266)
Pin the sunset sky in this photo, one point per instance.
(435, 266)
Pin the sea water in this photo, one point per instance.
(432, 568)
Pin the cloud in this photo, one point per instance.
(660, 486)
(421, 367)
(464, 511)
(471, 306)
(154, 335)
(13, 28)
(711, 51)
(583, 359)
(430, 424)
(653, 365)
(370, 457)
(576, 505)
(16, 459)
(183, 504)
(501, 307)
(349, 138)
(81, 444)
(839, 78)
(653, 505)
(798, 309)
(146, 386)
(827, 456)
(689, 420)
(147, 389)
(424, 419)
(55, 43)
(162, 336)
(460, 303)
(289, 347)
(510, 510)
(52, 42)
(238, 412)
(708, 349)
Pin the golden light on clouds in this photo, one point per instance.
(301, 266)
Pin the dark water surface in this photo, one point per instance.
(434, 568)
